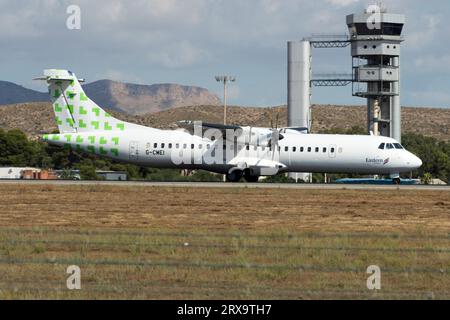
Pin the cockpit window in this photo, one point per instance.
(389, 146)
(381, 147)
(398, 146)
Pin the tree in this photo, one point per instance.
(16, 150)
(88, 172)
(435, 155)
(427, 178)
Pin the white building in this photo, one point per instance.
(12, 172)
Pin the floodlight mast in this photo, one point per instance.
(225, 80)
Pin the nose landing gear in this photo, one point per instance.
(395, 178)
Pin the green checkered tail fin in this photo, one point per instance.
(74, 111)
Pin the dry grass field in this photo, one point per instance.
(194, 243)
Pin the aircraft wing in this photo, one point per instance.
(191, 127)
(190, 124)
(247, 135)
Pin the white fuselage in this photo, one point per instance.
(296, 152)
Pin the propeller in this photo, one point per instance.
(276, 136)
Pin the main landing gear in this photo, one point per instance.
(236, 176)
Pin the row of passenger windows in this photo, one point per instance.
(178, 146)
(390, 146)
(240, 147)
(310, 149)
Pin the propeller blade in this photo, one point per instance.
(278, 116)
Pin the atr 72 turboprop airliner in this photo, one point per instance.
(236, 151)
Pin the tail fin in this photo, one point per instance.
(74, 111)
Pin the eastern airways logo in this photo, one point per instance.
(378, 161)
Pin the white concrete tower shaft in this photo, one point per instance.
(299, 84)
(299, 91)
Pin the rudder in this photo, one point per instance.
(74, 111)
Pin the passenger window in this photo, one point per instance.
(294, 149)
(248, 148)
(177, 146)
(170, 146)
(192, 146)
(163, 145)
(185, 146)
(263, 148)
(208, 146)
(381, 147)
(309, 149)
(302, 149)
(155, 145)
(286, 149)
(324, 150)
(317, 149)
(255, 148)
(332, 150)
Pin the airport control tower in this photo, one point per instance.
(375, 37)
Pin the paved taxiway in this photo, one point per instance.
(231, 185)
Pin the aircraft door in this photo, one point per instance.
(134, 150)
(290, 155)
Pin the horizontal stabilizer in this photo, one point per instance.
(58, 74)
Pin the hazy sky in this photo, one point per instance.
(190, 41)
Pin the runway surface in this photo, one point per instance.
(232, 185)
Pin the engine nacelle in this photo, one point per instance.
(261, 137)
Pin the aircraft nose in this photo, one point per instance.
(419, 162)
(415, 162)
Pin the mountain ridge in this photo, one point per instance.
(136, 99)
(139, 99)
(13, 93)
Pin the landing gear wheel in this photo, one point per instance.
(234, 176)
(397, 181)
(251, 179)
